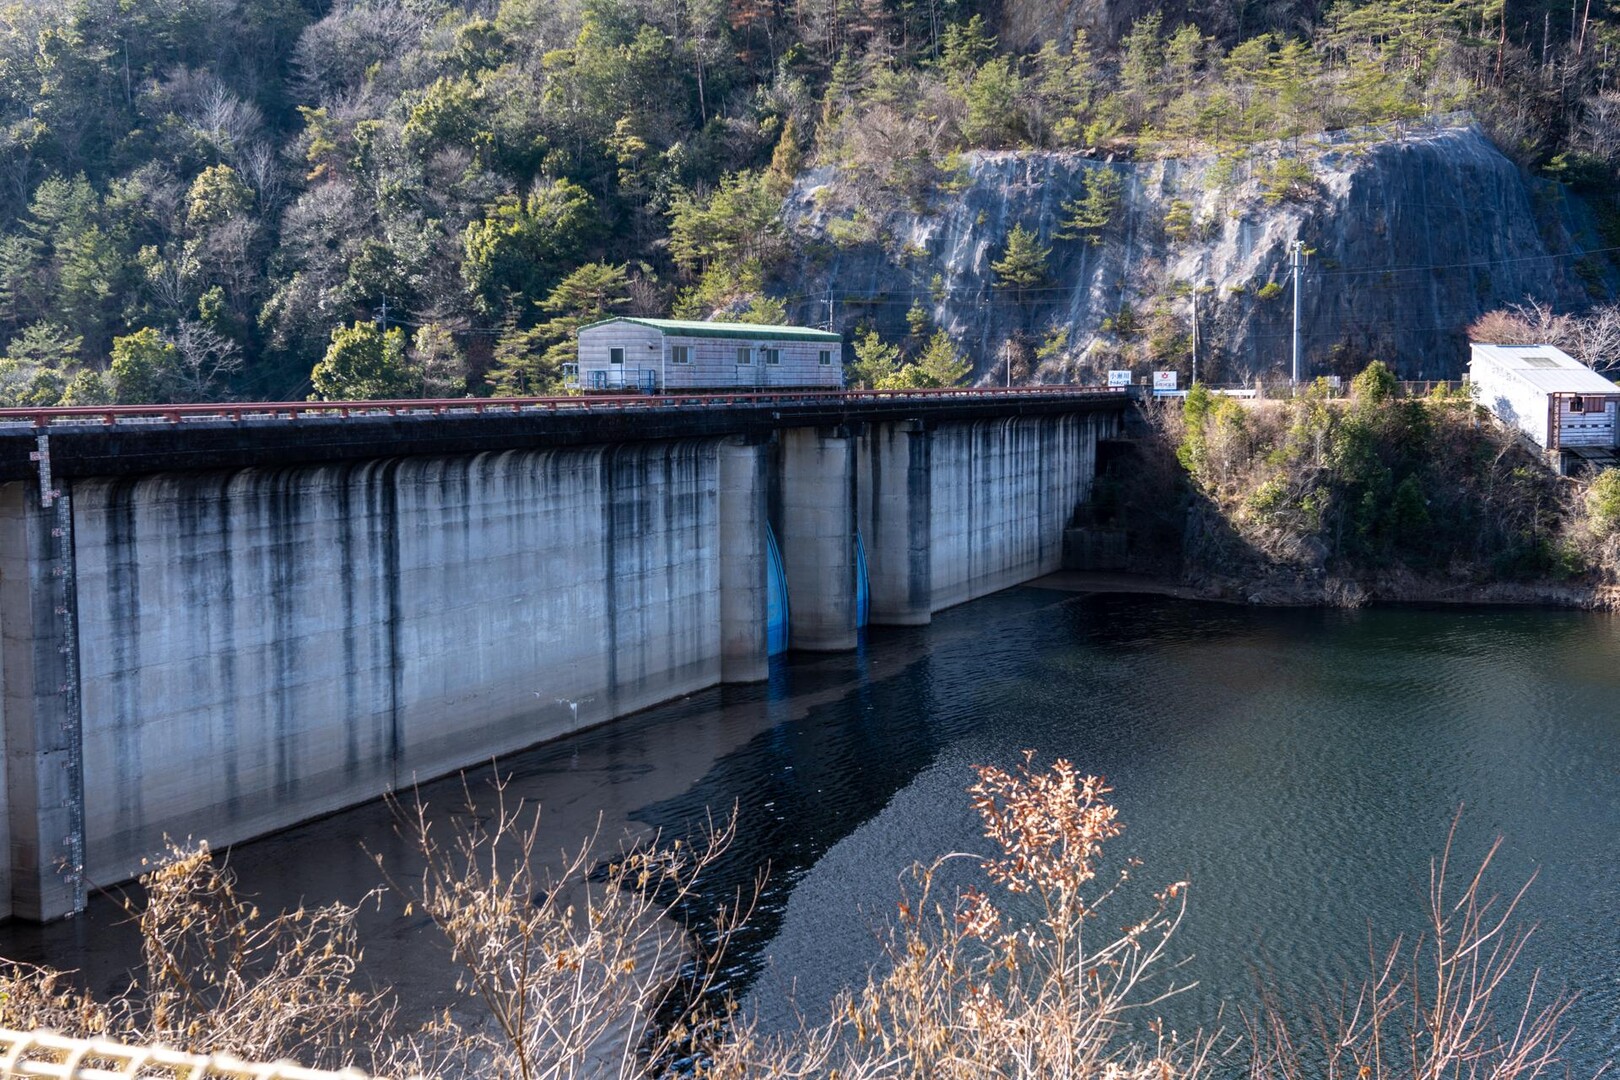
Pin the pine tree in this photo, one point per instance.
(1141, 72)
(37, 365)
(967, 45)
(1184, 54)
(786, 159)
(917, 320)
(764, 311)
(1290, 81)
(940, 364)
(876, 364)
(522, 367)
(590, 292)
(1022, 265)
(1063, 86)
(994, 99)
(1087, 217)
(1178, 221)
(529, 361)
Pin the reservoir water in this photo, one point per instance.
(1298, 768)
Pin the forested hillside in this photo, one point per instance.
(272, 198)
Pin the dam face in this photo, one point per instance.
(216, 653)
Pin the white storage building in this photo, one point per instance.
(1559, 402)
(653, 355)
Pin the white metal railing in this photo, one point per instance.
(640, 380)
(46, 1054)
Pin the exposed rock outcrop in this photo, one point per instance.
(1413, 237)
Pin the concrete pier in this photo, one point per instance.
(818, 537)
(896, 518)
(219, 652)
(744, 598)
(951, 512)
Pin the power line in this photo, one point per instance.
(992, 294)
(1470, 266)
(997, 295)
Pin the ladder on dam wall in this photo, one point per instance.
(44, 826)
(63, 600)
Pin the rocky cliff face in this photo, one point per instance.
(1411, 239)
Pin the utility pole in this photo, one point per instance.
(382, 322)
(1296, 260)
(1195, 337)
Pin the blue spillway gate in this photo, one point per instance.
(776, 597)
(863, 587)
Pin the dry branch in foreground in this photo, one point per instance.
(1446, 1008)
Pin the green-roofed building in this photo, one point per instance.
(653, 355)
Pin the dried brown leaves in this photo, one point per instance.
(1050, 826)
(218, 977)
(577, 969)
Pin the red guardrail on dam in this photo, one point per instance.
(590, 403)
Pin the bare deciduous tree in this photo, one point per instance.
(1599, 130)
(262, 171)
(582, 970)
(1592, 338)
(1020, 985)
(579, 969)
(216, 976)
(206, 361)
(1443, 1008)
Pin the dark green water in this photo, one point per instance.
(1299, 768)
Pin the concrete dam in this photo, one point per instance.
(223, 621)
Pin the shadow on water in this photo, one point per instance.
(1299, 767)
(805, 784)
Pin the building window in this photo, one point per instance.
(1577, 404)
(680, 354)
(772, 356)
(826, 357)
(615, 356)
(745, 356)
